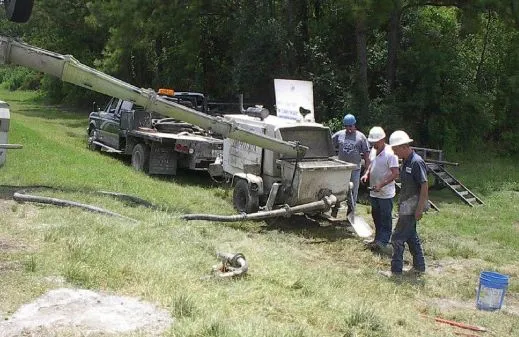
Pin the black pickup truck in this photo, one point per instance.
(156, 145)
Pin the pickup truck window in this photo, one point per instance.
(126, 106)
(112, 105)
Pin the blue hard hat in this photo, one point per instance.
(349, 119)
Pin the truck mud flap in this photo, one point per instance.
(163, 159)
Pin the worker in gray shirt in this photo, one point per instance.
(412, 202)
(352, 146)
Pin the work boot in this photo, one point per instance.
(384, 249)
(412, 272)
(389, 274)
(370, 244)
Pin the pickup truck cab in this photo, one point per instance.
(157, 145)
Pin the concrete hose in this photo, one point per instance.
(322, 205)
(20, 196)
(129, 198)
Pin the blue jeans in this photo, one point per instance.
(405, 232)
(381, 211)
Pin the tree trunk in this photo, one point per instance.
(393, 43)
(477, 77)
(297, 15)
(362, 61)
(302, 36)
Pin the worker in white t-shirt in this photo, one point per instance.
(381, 173)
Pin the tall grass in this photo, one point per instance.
(304, 280)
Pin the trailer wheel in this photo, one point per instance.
(244, 199)
(90, 140)
(18, 10)
(141, 157)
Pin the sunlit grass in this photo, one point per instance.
(303, 280)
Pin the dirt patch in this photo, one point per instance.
(444, 305)
(84, 312)
(5, 245)
(8, 206)
(455, 266)
(8, 245)
(9, 266)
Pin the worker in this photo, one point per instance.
(381, 173)
(412, 202)
(353, 146)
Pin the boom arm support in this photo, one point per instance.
(68, 69)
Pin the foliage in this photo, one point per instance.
(445, 71)
(19, 78)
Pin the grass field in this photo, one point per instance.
(304, 279)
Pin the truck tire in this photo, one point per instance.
(18, 10)
(90, 140)
(141, 157)
(244, 199)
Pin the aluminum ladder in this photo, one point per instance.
(454, 184)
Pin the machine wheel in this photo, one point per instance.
(244, 199)
(141, 157)
(90, 140)
(18, 10)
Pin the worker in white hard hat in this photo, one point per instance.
(381, 173)
(412, 202)
(352, 147)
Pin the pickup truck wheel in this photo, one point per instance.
(244, 199)
(90, 140)
(141, 157)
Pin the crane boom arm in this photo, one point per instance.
(68, 69)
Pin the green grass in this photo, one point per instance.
(304, 280)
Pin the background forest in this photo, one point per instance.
(445, 71)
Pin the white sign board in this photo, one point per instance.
(291, 95)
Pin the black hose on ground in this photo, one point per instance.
(21, 196)
(129, 198)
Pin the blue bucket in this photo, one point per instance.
(491, 290)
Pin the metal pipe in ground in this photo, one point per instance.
(232, 265)
(11, 146)
(322, 205)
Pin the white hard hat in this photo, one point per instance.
(399, 137)
(375, 134)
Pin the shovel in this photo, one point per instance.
(360, 226)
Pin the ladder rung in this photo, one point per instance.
(455, 187)
(463, 193)
(471, 200)
(449, 180)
